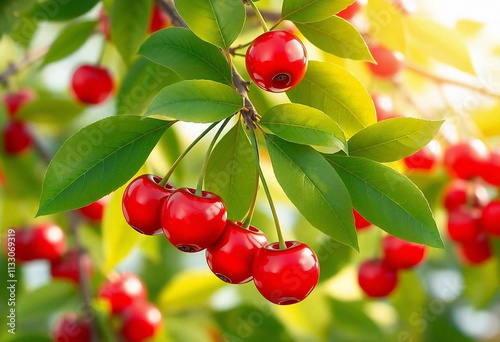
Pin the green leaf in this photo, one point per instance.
(129, 21)
(332, 257)
(216, 22)
(24, 30)
(9, 18)
(70, 40)
(97, 160)
(57, 10)
(231, 172)
(409, 297)
(338, 37)
(140, 85)
(482, 293)
(305, 11)
(189, 56)
(338, 94)
(391, 140)
(50, 110)
(388, 199)
(196, 101)
(314, 188)
(304, 125)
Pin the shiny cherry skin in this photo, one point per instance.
(191, 222)
(285, 276)
(94, 211)
(17, 138)
(72, 328)
(142, 202)
(401, 254)
(22, 244)
(426, 159)
(276, 61)
(477, 251)
(359, 221)
(460, 193)
(140, 322)
(384, 107)
(14, 101)
(91, 84)
(67, 267)
(490, 218)
(231, 256)
(123, 291)
(377, 279)
(389, 62)
(159, 19)
(491, 169)
(464, 225)
(43, 241)
(466, 159)
(351, 10)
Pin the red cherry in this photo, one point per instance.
(466, 159)
(491, 170)
(359, 221)
(463, 225)
(94, 211)
(43, 241)
(21, 243)
(458, 192)
(190, 222)
(285, 276)
(123, 291)
(276, 61)
(104, 24)
(159, 19)
(401, 254)
(377, 279)
(350, 11)
(16, 138)
(231, 256)
(490, 218)
(389, 62)
(91, 84)
(68, 266)
(141, 321)
(477, 251)
(142, 202)
(72, 328)
(14, 101)
(426, 158)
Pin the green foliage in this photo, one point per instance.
(305, 11)
(57, 10)
(50, 110)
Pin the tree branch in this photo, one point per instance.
(14, 68)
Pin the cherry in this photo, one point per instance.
(91, 84)
(463, 225)
(276, 61)
(67, 267)
(94, 211)
(141, 321)
(123, 291)
(142, 202)
(43, 241)
(401, 254)
(389, 63)
(231, 256)
(384, 107)
(351, 10)
(477, 251)
(377, 279)
(72, 328)
(491, 170)
(466, 159)
(359, 221)
(190, 222)
(285, 276)
(159, 19)
(426, 158)
(14, 101)
(458, 192)
(490, 218)
(16, 138)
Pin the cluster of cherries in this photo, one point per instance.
(193, 222)
(17, 137)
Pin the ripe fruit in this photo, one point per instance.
(384, 107)
(477, 251)
(377, 279)
(16, 138)
(67, 266)
(285, 276)
(490, 218)
(491, 170)
(276, 61)
(426, 158)
(14, 101)
(159, 19)
(123, 291)
(350, 11)
(463, 225)
(141, 321)
(389, 62)
(466, 159)
(142, 203)
(190, 222)
(459, 193)
(44, 241)
(359, 221)
(72, 328)
(231, 256)
(91, 84)
(401, 254)
(94, 211)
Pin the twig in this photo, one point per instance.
(14, 68)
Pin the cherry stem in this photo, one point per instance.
(199, 187)
(103, 51)
(259, 16)
(266, 188)
(165, 179)
(251, 210)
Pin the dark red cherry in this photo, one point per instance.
(122, 291)
(276, 61)
(94, 211)
(140, 322)
(14, 101)
(401, 254)
(71, 328)
(464, 225)
(389, 62)
(460, 193)
(351, 10)
(491, 170)
(67, 267)
(91, 84)
(159, 19)
(285, 276)
(191, 222)
(490, 218)
(476, 252)
(376, 279)
(466, 159)
(231, 256)
(426, 158)
(359, 221)
(17, 138)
